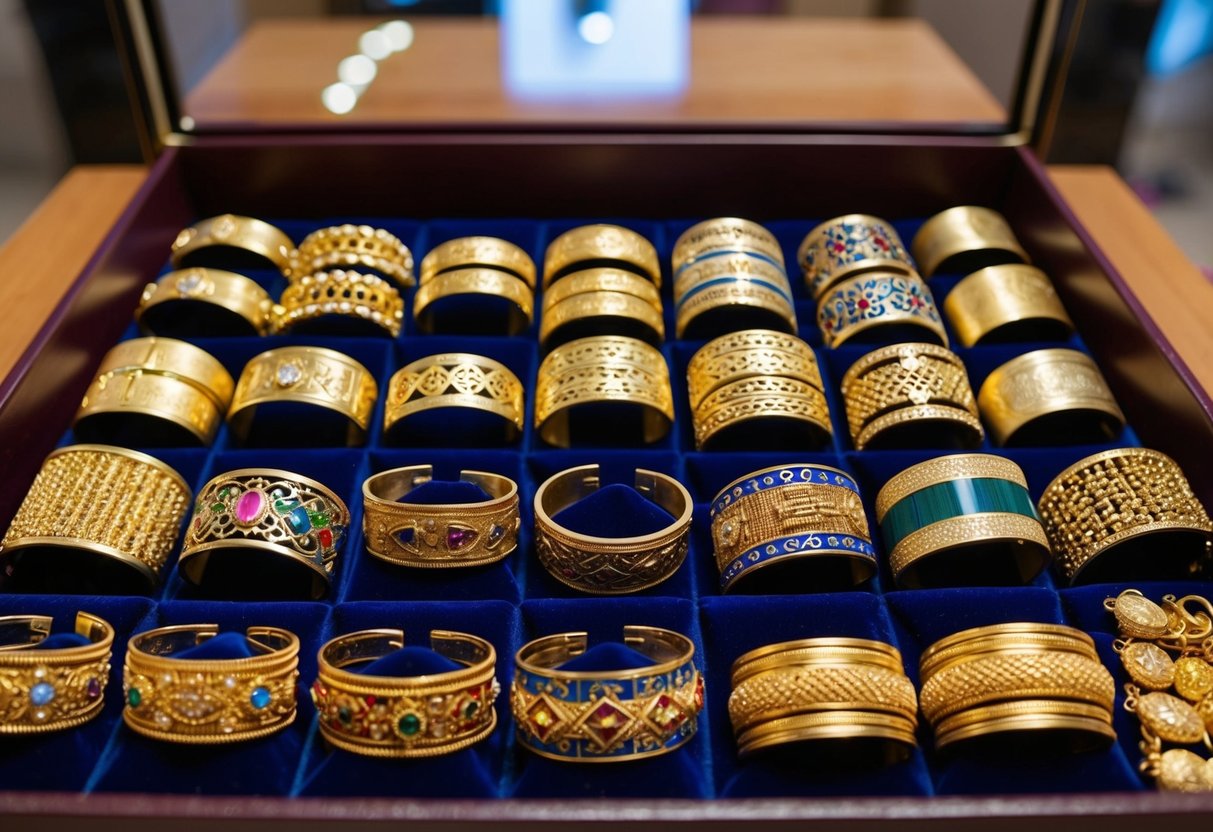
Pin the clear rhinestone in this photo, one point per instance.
(289, 374)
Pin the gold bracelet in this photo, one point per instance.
(231, 231)
(200, 303)
(610, 715)
(709, 291)
(316, 376)
(894, 394)
(481, 253)
(289, 519)
(602, 369)
(822, 688)
(1027, 398)
(405, 716)
(849, 245)
(55, 689)
(455, 379)
(1127, 495)
(350, 296)
(786, 513)
(610, 565)
(209, 701)
(746, 354)
(463, 282)
(438, 536)
(353, 247)
(622, 314)
(725, 235)
(155, 391)
(120, 508)
(589, 281)
(1007, 302)
(879, 299)
(589, 246)
(779, 405)
(964, 239)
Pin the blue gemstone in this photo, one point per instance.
(41, 694)
(406, 536)
(298, 520)
(260, 698)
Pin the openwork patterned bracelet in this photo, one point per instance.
(455, 380)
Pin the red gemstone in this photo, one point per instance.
(862, 304)
(699, 693)
(881, 243)
(840, 248)
(610, 721)
(326, 538)
(370, 700)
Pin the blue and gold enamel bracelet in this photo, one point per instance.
(788, 513)
(961, 520)
(608, 715)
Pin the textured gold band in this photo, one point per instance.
(233, 231)
(456, 379)
(106, 501)
(849, 245)
(600, 244)
(51, 689)
(989, 299)
(1025, 715)
(205, 299)
(405, 716)
(991, 638)
(353, 247)
(209, 701)
(749, 353)
(438, 536)
(590, 281)
(1043, 383)
(610, 565)
(340, 293)
(481, 253)
(724, 234)
(963, 230)
(600, 307)
(1116, 496)
(761, 397)
(171, 357)
(475, 281)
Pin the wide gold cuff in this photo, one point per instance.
(1013, 302)
(340, 303)
(720, 235)
(717, 295)
(1124, 514)
(203, 303)
(823, 689)
(209, 701)
(964, 239)
(516, 311)
(746, 354)
(51, 690)
(847, 246)
(432, 536)
(610, 565)
(325, 379)
(862, 307)
(455, 380)
(96, 518)
(601, 301)
(911, 395)
(204, 242)
(478, 253)
(626, 374)
(1049, 397)
(353, 247)
(155, 391)
(762, 412)
(405, 716)
(590, 246)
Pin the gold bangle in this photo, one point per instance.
(353, 246)
(879, 299)
(589, 281)
(786, 513)
(266, 514)
(610, 565)
(779, 404)
(481, 253)
(118, 508)
(438, 536)
(405, 716)
(620, 314)
(1128, 495)
(849, 245)
(199, 303)
(324, 378)
(1032, 397)
(965, 239)
(709, 291)
(455, 379)
(611, 715)
(602, 369)
(1002, 639)
(725, 234)
(231, 231)
(588, 246)
(209, 701)
(1002, 303)
(349, 296)
(965, 518)
(51, 690)
(746, 354)
(474, 281)
(895, 394)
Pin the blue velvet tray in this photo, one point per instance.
(515, 600)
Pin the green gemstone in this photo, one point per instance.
(319, 519)
(134, 697)
(409, 724)
(284, 505)
(469, 710)
(218, 508)
(224, 492)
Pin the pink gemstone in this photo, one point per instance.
(458, 538)
(93, 689)
(249, 506)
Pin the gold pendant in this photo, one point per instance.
(1171, 718)
(1148, 665)
(1179, 770)
(1138, 616)
(1193, 678)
